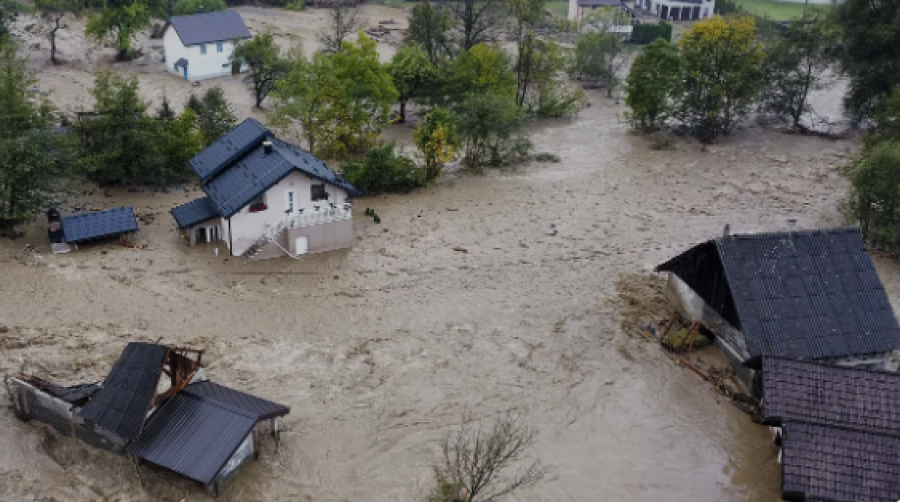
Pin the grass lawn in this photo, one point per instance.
(560, 9)
(777, 11)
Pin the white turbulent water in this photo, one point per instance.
(378, 349)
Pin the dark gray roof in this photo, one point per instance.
(209, 27)
(836, 464)
(255, 172)
(197, 431)
(181, 63)
(194, 212)
(192, 436)
(236, 400)
(95, 225)
(599, 3)
(830, 395)
(225, 150)
(809, 295)
(122, 403)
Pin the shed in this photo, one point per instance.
(200, 46)
(807, 295)
(98, 224)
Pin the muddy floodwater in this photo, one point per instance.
(483, 293)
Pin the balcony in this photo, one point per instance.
(325, 214)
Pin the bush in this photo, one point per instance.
(547, 157)
(875, 194)
(556, 100)
(646, 33)
(510, 151)
(295, 5)
(383, 171)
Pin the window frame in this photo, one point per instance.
(219, 46)
(312, 192)
(202, 49)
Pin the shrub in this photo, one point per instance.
(510, 151)
(875, 194)
(383, 171)
(547, 157)
(295, 5)
(646, 33)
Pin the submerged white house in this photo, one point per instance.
(199, 46)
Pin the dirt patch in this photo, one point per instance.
(642, 302)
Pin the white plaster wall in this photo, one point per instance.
(200, 66)
(247, 227)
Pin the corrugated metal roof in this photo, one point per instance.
(830, 395)
(252, 406)
(831, 463)
(809, 295)
(192, 436)
(194, 212)
(237, 185)
(95, 225)
(122, 403)
(225, 150)
(208, 27)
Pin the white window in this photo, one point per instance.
(291, 198)
(202, 48)
(218, 46)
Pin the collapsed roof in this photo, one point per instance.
(809, 294)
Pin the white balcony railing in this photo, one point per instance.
(325, 214)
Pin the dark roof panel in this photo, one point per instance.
(208, 27)
(227, 149)
(830, 395)
(122, 403)
(809, 295)
(192, 436)
(831, 463)
(95, 225)
(235, 400)
(194, 212)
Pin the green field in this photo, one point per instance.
(777, 11)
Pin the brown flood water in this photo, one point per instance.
(378, 349)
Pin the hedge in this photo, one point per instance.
(646, 33)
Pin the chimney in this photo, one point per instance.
(267, 147)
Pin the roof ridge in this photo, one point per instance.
(841, 427)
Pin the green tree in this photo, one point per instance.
(723, 60)
(165, 111)
(598, 58)
(871, 37)
(52, 13)
(177, 141)
(887, 120)
(381, 170)
(655, 85)
(482, 69)
(875, 194)
(526, 15)
(119, 20)
(410, 71)
(485, 120)
(266, 66)
(342, 22)
(117, 142)
(214, 115)
(188, 7)
(429, 28)
(437, 140)
(8, 8)
(27, 149)
(310, 97)
(796, 64)
(368, 92)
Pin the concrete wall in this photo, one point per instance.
(247, 227)
(200, 66)
(324, 237)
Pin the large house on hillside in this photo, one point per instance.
(199, 46)
(266, 198)
(678, 10)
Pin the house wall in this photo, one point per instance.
(325, 237)
(200, 66)
(685, 11)
(247, 227)
(190, 232)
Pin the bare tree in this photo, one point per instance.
(344, 21)
(475, 20)
(478, 464)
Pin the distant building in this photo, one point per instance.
(812, 295)
(580, 8)
(199, 46)
(678, 10)
(266, 197)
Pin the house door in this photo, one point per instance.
(696, 14)
(664, 13)
(185, 72)
(290, 201)
(213, 233)
(301, 245)
(200, 235)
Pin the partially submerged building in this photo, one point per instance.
(266, 197)
(66, 232)
(156, 406)
(811, 295)
(838, 429)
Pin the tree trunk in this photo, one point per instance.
(53, 41)
(402, 110)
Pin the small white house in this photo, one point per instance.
(678, 10)
(199, 46)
